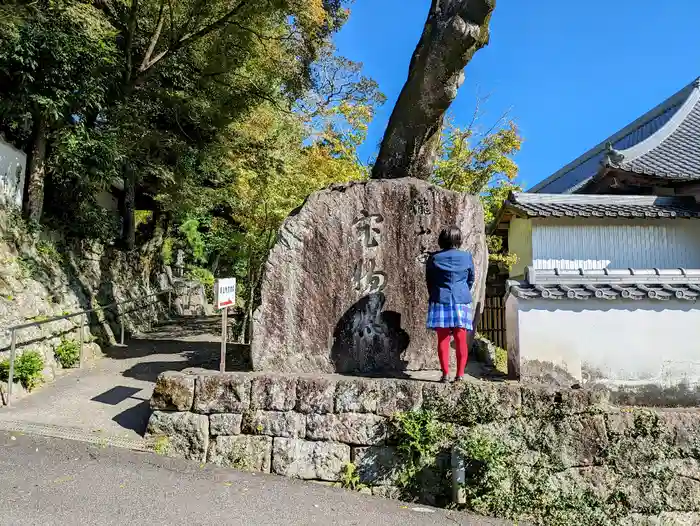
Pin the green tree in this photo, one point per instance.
(471, 162)
(269, 163)
(57, 62)
(217, 119)
(153, 79)
(481, 163)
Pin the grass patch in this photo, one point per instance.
(161, 445)
(48, 251)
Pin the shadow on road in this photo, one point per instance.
(135, 418)
(116, 395)
(185, 343)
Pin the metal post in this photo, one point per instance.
(121, 325)
(10, 378)
(458, 477)
(224, 337)
(81, 336)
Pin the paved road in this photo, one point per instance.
(52, 481)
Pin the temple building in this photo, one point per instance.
(607, 282)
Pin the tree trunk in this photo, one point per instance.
(215, 263)
(242, 335)
(453, 32)
(129, 223)
(36, 174)
(254, 287)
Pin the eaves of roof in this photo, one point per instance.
(604, 284)
(603, 206)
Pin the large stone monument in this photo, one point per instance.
(344, 287)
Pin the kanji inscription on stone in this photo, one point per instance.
(368, 229)
(421, 206)
(367, 279)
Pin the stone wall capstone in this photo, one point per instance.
(344, 287)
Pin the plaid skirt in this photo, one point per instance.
(449, 316)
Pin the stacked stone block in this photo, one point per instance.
(309, 427)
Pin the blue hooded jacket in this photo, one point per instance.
(450, 276)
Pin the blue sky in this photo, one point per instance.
(572, 72)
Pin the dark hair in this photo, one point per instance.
(450, 238)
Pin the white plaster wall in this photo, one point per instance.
(597, 244)
(13, 164)
(622, 343)
(520, 243)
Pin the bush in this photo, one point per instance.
(28, 368)
(48, 251)
(419, 436)
(68, 353)
(489, 353)
(501, 361)
(166, 251)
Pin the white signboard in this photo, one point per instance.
(225, 292)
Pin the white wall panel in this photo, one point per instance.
(597, 244)
(13, 164)
(615, 342)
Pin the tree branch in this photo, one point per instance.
(190, 38)
(155, 37)
(255, 91)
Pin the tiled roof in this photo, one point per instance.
(677, 156)
(622, 284)
(603, 292)
(617, 206)
(664, 142)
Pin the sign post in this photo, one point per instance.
(224, 297)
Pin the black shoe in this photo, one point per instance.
(459, 379)
(445, 379)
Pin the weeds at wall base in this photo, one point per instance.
(350, 478)
(514, 468)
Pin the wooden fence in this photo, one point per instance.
(492, 324)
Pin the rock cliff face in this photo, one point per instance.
(44, 278)
(344, 288)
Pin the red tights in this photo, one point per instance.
(444, 349)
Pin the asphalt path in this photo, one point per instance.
(51, 481)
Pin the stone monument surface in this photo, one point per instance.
(344, 286)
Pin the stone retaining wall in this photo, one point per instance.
(305, 427)
(309, 427)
